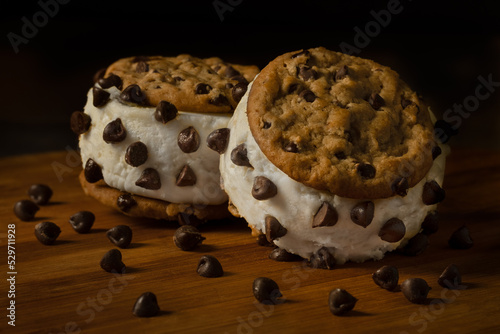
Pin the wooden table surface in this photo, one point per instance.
(62, 289)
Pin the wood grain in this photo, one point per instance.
(62, 289)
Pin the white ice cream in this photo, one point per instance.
(164, 154)
(296, 204)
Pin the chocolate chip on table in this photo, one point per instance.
(146, 306)
(80, 122)
(125, 202)
(219, 100)
(100, 97)
(187, 237)
(111, 81)
(432, 193)
(430, 224)
(274, 229)
(307, 95)
(202, 88)
(366, 171)
(238, 91)
(134, 94)
(149, 179)
(263, 188)
(142, 66)
(188, 219)
(436, 152)
(415, 245)
(239, 156)
(188, 140)
(451, 278)
(281, 255)
(218, 139)
(415, 290)
(307, 73)
(112, 262)
(186, 177)
(40, 193)
(393, 230)
(98, 75)
(25, 210)
(340, 301)
(400, 186)
(461, 239)
(291, 147)
(362, 213)
(92, 171)
(266, 291)
(47, 232)
(325, 216)
(376, 101)
(165, 112)
(322, 259)
(341, 73)
(120, 235)
(82, 221)
(209, 266)
(386, 277)
(114, 132)
(136, 154)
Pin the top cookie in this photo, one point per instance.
(340, 123)
(189, 83)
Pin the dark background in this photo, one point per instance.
(439, 47)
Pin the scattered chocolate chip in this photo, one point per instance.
(80, 122)
(112, 262)
(400, 186)
(436, 152)
(376, 101)
(188, 140)
(231, 72)
(300, 53)
(461, 239)
(218, 139)
(25, 210)
(263, 188)
(405, 103)
(165, 112)
(325, 216)
(430, 224)
(149, 179)
(114, 132)
(415, 290)
(238, 91)
(362, 213)
(188, 219)
(451, 278)
(341, 73)
(239, 156)
(110, 81)
(100, 97)
(47, 232)
(307, 95)
(393, 230)
(209, 266)
(307, 73)
(82, 221)
(219, 100)
(142, 66)
(291, 147)
(134, 94)
(262, 241)
(120, 235)
(266, 290)
(146, 306)
(125, 202)
(386, 277)
(99, 74)
(281, 255)
(340, 155)
(187, 237)
(202, 88)
(136, 154)
(415, 245)
(140, 58)
(186, 177)
(340, 301)
(432, 193)
(92, 171)
(322, 259)
(366, 171)
(40, 193)
(274, 229)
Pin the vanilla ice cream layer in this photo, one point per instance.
(164, 153)
(295, 204)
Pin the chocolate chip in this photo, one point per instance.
(110, 81)
(366, 171)
(262, 241)
(188, 219)
(274, 229)
(436, 152)
(340, 301)
(136, 154)
(386, 277)
(120, 235)
(202, 88)
(47, 232)
(149, 179)
(241, 79)
(25, 210)
(322, 259)
(300, 53)
(134, 94)
(231, 72)
(291, 147)
(238, 91)
(218, 139)
(340, 155)
(451, 278)
(112, 262)
(98, 75)
(92, 171)
(40, 193)
(400, 186)
(266, 290)
(415, 290)
(100, 97)
(239, 156)
(146, 306)
(125, 202)
(376, 101)
(114, 132)
(461, 239)
(432, 193)
(263, 188)
(415, 245)
(325, 216)
(186, 177)
(165, 112)
(209, 266)
(142, 66)
(393, 230)
(266, 125)
(293, 88)
(219, 100)
(307, 73)
(80, 122)
(82, 221)
(430, 223)
(281, 255)
(188, 140)
(137, 59)
(307, 95)
(341, 73)
(187, 237)
(362, 213)
(405, 103)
